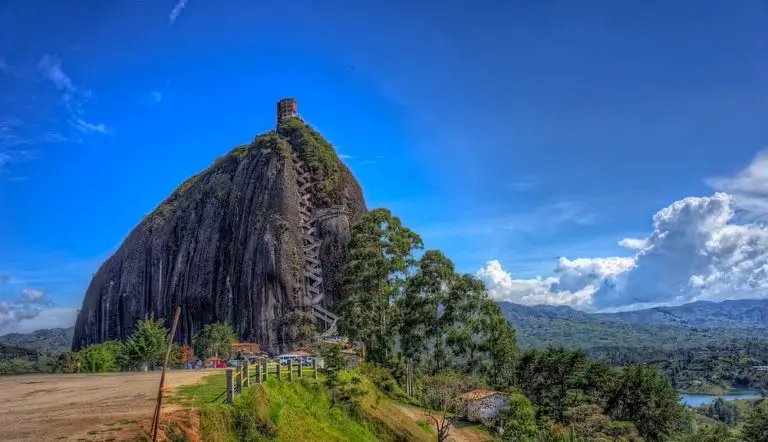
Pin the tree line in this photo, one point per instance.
(430, 334)
(146, 348)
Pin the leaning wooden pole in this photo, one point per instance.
(159, 403)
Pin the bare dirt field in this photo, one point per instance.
(96, 407)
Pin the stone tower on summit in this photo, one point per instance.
(286, 109)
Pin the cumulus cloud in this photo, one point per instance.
(699, 249)
(31, 311)
(30, 296)
(634, 243)
(749, 187)
(177, 10)
(29, 320)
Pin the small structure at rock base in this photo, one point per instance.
(483, 405)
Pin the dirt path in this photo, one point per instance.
(460, 432)
(52, 407)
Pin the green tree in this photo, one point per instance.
(756, 425)
(379, 259)
(466, 337)
(518, 419)
(502, 347)
(642, 395)
(546, 377)
(723, 411)
(100, 358)
(147, 344)
(588, 422)
(342, 389)
(214, 340)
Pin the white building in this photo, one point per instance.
(483, 405)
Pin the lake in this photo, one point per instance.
(695, 400)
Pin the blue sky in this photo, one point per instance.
(520, 132)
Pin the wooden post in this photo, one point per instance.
(301, 369)
(314, 368)
(290, 369)
(263, 362)
(258, 372)
(239, 380)
(159, 403)
(247, 372)
(279, 370)
(230, 386)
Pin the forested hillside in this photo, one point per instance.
(691, 325)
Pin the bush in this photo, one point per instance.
(100, 358)
(518, 419)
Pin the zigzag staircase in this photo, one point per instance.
(312, 270)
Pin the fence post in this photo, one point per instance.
(279, 370)
(239, 380)
(258, 372)
(230, 386)
(314, 368)
(266, 369)
(301, 369)
(247, 373)
(290, 369)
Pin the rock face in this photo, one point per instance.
(227, 245)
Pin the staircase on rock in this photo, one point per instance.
(312, 270)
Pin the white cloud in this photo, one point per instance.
(86, 127)
(177, 10)
(502, 287)
(699, 249)
(157, 96)
(51, 68)
(31, 311)
(30, 296)
(749, 187)
(634, 243)
(72, 96)
(29, 320)
(344, 156)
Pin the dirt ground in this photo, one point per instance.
(94, 407)
(460, 432)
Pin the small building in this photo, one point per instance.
(246, 348)
(483, 405)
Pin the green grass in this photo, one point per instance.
(282, 410)
(296, 410)
(425, 426)
(212, 390)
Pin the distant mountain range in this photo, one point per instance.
(50, 341)
(687, 325)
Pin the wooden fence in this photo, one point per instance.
(242, 377)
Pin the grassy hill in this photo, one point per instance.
(298, 410)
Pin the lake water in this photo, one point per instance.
(695, 400)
